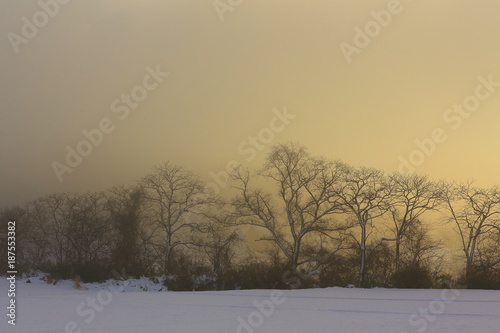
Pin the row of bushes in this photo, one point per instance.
(265, 275)
(259, 276)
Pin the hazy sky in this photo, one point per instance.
(226, 78)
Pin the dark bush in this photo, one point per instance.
(93, 272)
(443, 281)
(256, 275)
(413, 277)
(179, 283)
(342, 273)
(379, 267)
(481, 278)
(189, 274)
(59, 271)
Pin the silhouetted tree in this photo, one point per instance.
(413, 195)
(89, 230)
(365, 194)
(475, 213)
(305, 206)
(419, 249)
(173, 197)
(51, 216)
(218, 241)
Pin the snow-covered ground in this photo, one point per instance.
(112, 308)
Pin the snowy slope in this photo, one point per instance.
(107, 308)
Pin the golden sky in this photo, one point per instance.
(229, 78)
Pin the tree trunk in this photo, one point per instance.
(363, 257)
(468, 268)
(295, 256)
(398, 249)
(168, 256)
(470, 258)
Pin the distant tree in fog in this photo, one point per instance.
(50, 216)
(304, 207)
(89, 231)
(173, 197)
(69, 229)
(217, 239)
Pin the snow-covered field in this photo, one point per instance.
(107, 308)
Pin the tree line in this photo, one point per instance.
(320, 223)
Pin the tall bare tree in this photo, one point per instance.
(413, 195)
(173, 196)
(89, 230)
(475, 212)
(72, 230)
(305, 204)
(365, 194)
(50, 216)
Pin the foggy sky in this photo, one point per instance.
(228, 79)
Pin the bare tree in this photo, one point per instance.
(475, 212)
(89, 231)
(173, 196)
(413, 195)
(365, 194)
(419, 248)
(217, 240)
(50, 216)
(305, 207)
(488, 252)
(72, 230)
